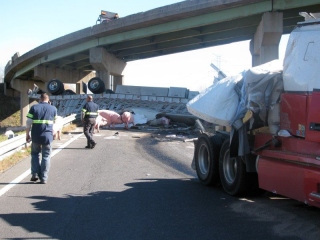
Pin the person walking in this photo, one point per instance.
(40, 119)
(88, 117)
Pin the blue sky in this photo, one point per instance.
(27, 24)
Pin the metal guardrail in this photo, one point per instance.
(69, 119)
(10, 146)
(12, 143)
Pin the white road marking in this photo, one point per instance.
(26, 173)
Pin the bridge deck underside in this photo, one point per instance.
(129, 44)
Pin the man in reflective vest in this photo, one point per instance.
(41, 117)
(88, 117)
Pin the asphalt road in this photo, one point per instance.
(138, 185)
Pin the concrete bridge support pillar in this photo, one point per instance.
(107, 64)
(265, 45)
(117, 80)
(22, 87)
(104, 75)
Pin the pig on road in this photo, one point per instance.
(57, 127)
(114, 118)
(127, 118)
(111, 117)
(100, 121)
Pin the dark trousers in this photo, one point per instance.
(88, 128)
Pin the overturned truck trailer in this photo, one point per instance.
(272, 113)
(148, 101)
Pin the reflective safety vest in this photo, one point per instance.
(90, 110)
(39, 121)
(42, 115)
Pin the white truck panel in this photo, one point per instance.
(301, 64)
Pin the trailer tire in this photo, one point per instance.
(96, 85)
(69, 92)
(233, 175)
(206, 156)
(55, 87)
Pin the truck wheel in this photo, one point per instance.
(233, 173)
(207, 159)
(69, 92)
(96, 85)
(55, 87)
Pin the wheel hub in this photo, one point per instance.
(94, 84)
(230, 167)
(203, 159)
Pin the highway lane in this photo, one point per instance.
(139, 185)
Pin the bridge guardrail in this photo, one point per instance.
(9, 146)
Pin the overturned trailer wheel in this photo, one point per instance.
(55, 87)
(206, 156)
(234, 178)
(96, 85)
(69, 92)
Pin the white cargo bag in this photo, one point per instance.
(218, 103)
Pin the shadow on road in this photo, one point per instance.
(153, 209)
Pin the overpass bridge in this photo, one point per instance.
(103, 50)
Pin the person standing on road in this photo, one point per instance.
(40, 119)
(88, 117)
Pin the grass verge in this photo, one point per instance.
(15, 158)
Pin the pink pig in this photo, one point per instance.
(100, 121)
(57, 127)
(127, 118)
(111, 116)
